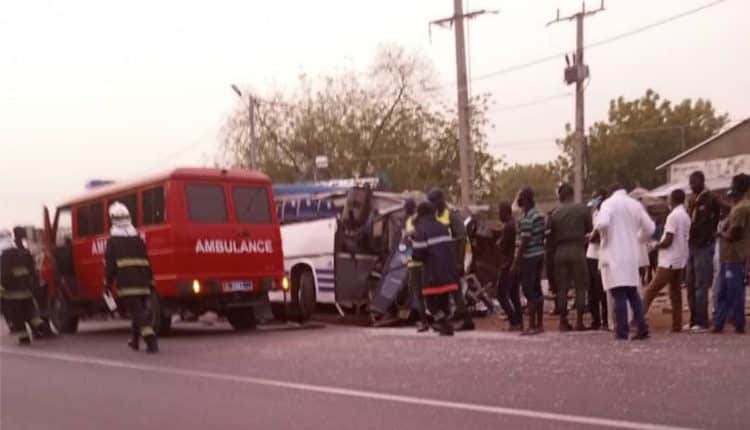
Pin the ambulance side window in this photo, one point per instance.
(153, 206)
(206, 203)
(90, 219)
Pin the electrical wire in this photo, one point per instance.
(596, 44)
(530, 103)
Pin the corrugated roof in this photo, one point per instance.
(702, 144)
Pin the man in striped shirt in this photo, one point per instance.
(529, 259)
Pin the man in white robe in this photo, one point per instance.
(620, 224)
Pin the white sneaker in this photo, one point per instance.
(698, 329)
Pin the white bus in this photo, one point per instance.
(309, 214)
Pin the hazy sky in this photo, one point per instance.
(117, 89)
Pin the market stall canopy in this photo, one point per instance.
(715, 184)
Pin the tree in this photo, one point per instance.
(383, 124)
(638, 136)
(542, 178)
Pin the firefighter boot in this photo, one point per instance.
(446, 328)
(151, 344)
(134, 342)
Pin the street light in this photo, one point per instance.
(251, 119)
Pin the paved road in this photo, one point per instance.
(360, 378)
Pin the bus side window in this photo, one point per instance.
(153, 206)
(90, 219)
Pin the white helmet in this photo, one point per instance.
(118, 212)
(6, 239)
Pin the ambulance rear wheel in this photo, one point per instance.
(242, 319)
(279, 311)
(62, 314)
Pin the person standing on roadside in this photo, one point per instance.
(454, 222)
(734, 251)
(128, 269)
(704, 210)
(414, 277)
(597, 296)
(528, 262)
(508, 289)
(620, 222)
(569, 226)
(672, 259)
(435, 249)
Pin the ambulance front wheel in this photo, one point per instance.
(62, 314)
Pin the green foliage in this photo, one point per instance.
(638, 136)
(542, 178)
(381, 124)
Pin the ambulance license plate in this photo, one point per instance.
(238, 286)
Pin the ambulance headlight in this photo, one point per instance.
(196, 286)
(285, 283)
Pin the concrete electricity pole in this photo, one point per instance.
(577, 73)
(465, 149)
(251, 121)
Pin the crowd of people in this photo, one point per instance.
(597, 250)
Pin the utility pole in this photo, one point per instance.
(465, 149)
(251, 126)
(577, 73)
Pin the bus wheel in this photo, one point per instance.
(242, 319)
(62, 314)
(303, 296)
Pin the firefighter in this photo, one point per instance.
(129, 269)
(455, 224)
(18, 277)
(434, 248)
(414, 267)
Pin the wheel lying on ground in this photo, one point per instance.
(242, 319)
(62, 314)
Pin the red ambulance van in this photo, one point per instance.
(212, 235)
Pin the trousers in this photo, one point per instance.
(597, 296)
(439, 305)
(673, 278)
(622, 297)
(730, 297)
(141, 314)
(509, 296)
(571, 271)
(18, 312)
(698, 278)
(415, 288)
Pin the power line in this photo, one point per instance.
(557, 56)
(530, 103)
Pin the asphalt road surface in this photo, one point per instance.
(333, 377)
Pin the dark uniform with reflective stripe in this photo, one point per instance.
(455, 224)
(129, 269)
(436, 250)
(18, 281)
